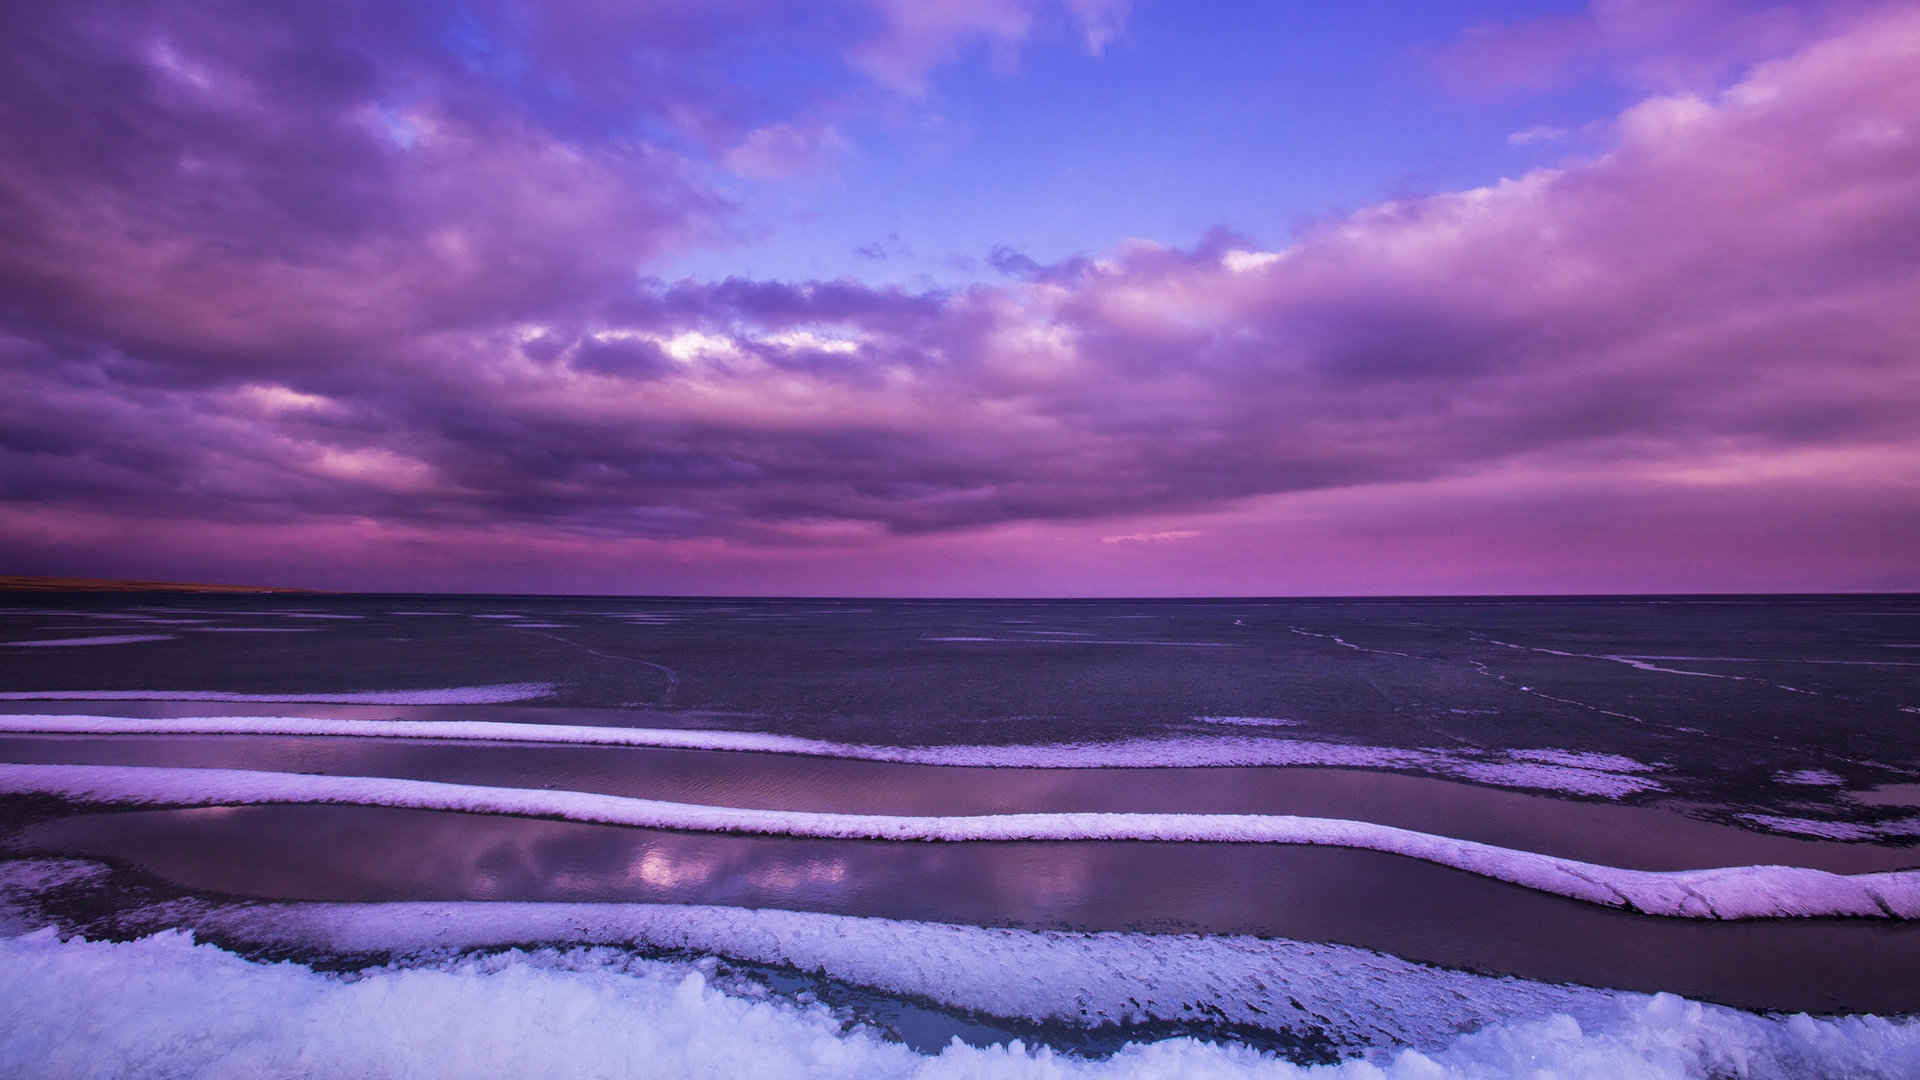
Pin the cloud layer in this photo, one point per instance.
(381, 271)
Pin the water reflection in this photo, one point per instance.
(1399, 905)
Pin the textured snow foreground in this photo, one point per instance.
(163, 1006)
(646, 990)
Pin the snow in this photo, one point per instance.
(107, 639)
(1896, 830)
(1582, 759)
(1576, 781)
(1509, 769)
(1354, 995)
(1899, 827)
(1825, 830)
(165, 1006)
(495, 694)
(1738, 892)
(1810, 778)
(1247, 721)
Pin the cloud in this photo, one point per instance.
(1539, 133)
(259, 184)
(785, 151)
(1101, 21)
(915, 36)
(881, 250)
(1011, 261)
(1162, 537)
(1680, 44)
(259, 315)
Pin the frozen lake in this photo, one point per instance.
(1505, 811)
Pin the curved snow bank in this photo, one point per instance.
(1515, 768)
(1742, 892)
(496, 694)
(1347, 995)
(165, 1006)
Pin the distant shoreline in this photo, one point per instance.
(32, 583)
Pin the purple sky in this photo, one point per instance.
(943, 297)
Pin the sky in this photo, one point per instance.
(963, 297)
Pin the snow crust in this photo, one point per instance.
(1583, 759)
(100, 639)
(1513, 768)
(1572, 779)
(1739, 892)
(495, 694)
(1810, 778)
(1248, 721)
(1825, 830)
(165, 1006)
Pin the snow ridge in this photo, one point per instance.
(1741, 892)
(1606, 775)
(495, 694)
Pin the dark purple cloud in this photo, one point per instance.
(373, 279)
